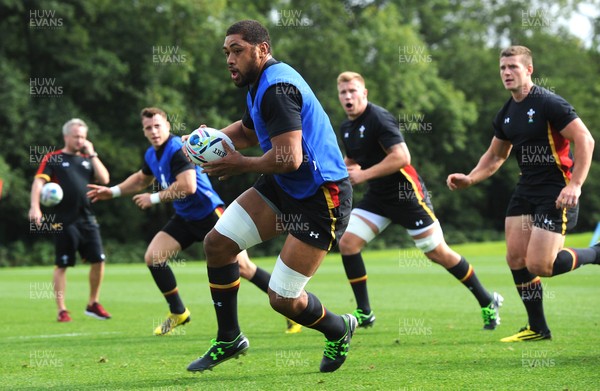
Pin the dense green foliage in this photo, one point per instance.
(432, 64)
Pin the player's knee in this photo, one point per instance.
(350, 244)
(540, 269)
(275, 301)
(212, 244)
(285, 305)
(217, 246)
(60, 270)
(515, 261)
(279, 303)
(152, 258)
(286, 288)
(430, 245)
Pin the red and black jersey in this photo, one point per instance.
(365, 140)
(73, 173)
(533, 127)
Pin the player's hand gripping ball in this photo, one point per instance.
(51, 195)
(205, 145)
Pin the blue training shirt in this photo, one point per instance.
(322, 159)
(195, 206)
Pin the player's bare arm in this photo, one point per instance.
(488, 164)
(184, 185)
(241, 136)
(577, 133)
(284, 156)
(35, 212)
(101, 175)
(349, 162)
(397, 157)
(136, 182)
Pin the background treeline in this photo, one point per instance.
(433, 64)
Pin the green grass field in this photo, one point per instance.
(427, 336)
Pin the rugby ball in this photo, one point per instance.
(52, 194)
(205, 145)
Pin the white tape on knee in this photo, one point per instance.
(237, 225)
(287, 282)
(432, 241)
(360, 228)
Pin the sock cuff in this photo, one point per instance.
(312, 314)
(462, 270)
(261, 279)
(566, 260)
(354, 267)
(524, 278)
(352, 257)
(171, 292)
(225, 278)
(259, 274)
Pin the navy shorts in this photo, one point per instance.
(319, 220)
(412, 209)
(186, 232)
(541, 212)
(82, 236)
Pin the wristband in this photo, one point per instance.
(116, 191)
(155, 198)
(95, 154)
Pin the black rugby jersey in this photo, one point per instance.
(73, 173)
(533, 127)
(365, 140)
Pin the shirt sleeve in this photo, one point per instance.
(281, 109)
(146, 169)
(559, 112)
(247, 120)
(179, 163)
(497, 124)
(345, 127)
(389, 131)
(45, 170)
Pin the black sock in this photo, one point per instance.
(166, 282)
(569, 259)
(315, 316)
(261, 279)
(465, 273)
(224, 283)
(596, 248)
(357, 276)
(530, 290)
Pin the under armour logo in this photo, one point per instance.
(419, 223)
(507, 120)
(345, 351)
(314, 235)
(218, 303)
(214, 354)
(548, 222)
